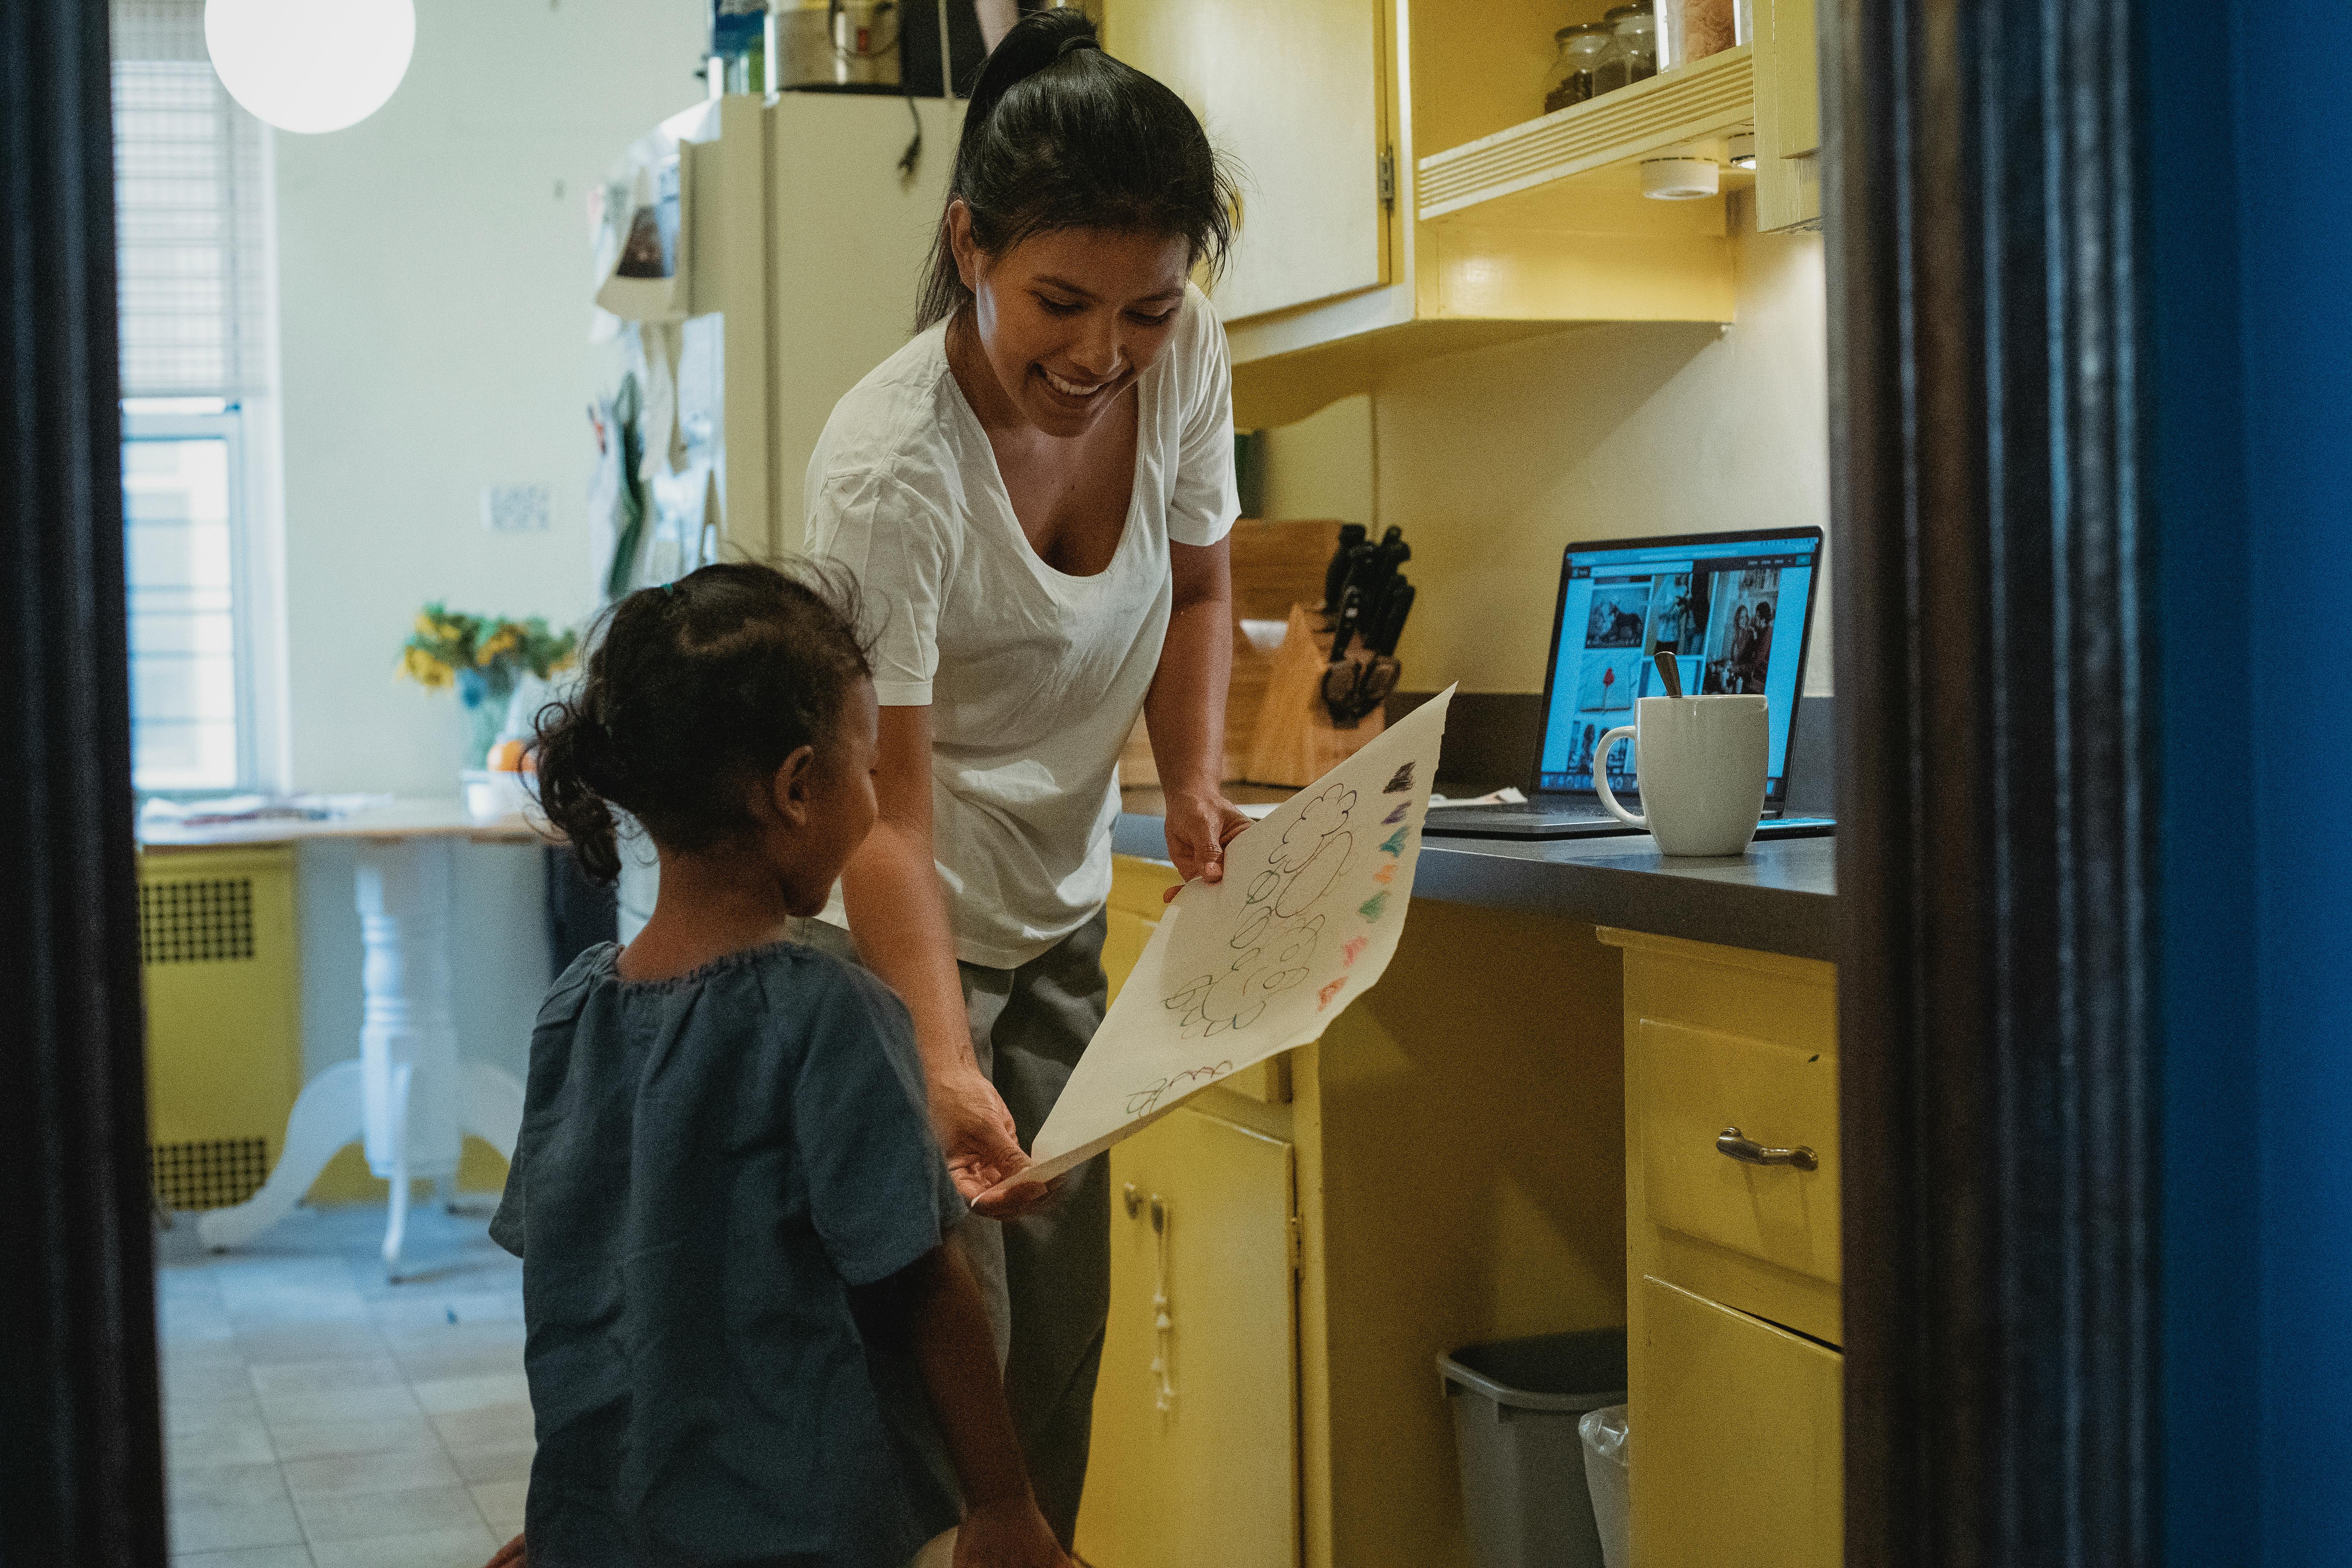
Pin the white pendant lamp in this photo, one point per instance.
(310, 65)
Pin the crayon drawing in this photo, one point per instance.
(1304, 921)
(1273, 946)
(1143, 1101)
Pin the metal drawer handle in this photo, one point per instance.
(1748, 1152)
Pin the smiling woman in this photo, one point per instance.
(1035, 495)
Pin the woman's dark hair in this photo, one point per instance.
(693, 694)
(1059, 136)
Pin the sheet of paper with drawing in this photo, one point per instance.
(1305, 920)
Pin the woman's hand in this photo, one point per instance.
(976, 1133)
(1007, 1535)
(1185, 710)
(512, 1555)
(1200, 823)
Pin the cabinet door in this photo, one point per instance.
(1292, 93)
(1788, 115)
(1195, 1461)
(1738, 1452)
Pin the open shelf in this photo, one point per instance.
(1692, 104)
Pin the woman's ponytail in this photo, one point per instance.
(1056, 135)
(1039, 40)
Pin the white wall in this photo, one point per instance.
(433, 284)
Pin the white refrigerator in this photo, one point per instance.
(796, 247)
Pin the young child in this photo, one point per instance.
(747, 1345)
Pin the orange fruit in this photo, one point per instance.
(510, 757)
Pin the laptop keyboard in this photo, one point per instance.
(1468, 816)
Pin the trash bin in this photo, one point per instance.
(1515, 1406)
(1608, 1455)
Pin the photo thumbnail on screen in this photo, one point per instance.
(1613, 627)
(1744, 609)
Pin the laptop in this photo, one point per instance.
(1736, 611)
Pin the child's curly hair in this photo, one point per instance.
(694, 693)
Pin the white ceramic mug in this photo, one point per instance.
(1701, 762)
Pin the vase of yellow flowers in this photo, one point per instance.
(482, 658)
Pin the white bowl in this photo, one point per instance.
(493, 794)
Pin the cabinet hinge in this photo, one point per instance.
(1298, 1244)
(1388, 178)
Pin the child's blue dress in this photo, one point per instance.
(706, 1166)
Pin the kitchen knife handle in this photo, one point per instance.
(1334, 575)
(1351, 616)
(1391, 628)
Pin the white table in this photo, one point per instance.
(407, 1098)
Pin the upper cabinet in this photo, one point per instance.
(1788, 115)
(1308, 79)
(1406, 194)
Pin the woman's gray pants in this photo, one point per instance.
(1046, 1277)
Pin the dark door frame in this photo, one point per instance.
(81, 1463)
(1995, 781)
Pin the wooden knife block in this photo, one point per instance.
(1276, 564)
(1295, 742)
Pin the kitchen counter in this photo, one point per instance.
(1780, 897)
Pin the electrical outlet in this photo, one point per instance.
(514, 509)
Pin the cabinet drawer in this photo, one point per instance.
(1698, 1083)
(1738, 1451)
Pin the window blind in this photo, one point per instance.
(191, 213)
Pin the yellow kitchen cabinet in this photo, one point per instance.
(1306, 77)
(1421, 122)
(1738, 1446)
(1732, 1237)
(1195, 1453)
(1788, 115)
(216, 945)
(1460, 1178)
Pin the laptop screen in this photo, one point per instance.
(1732, 609)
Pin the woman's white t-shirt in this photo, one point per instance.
(1034, 677)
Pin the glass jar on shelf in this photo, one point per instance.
(1608, 71)
(1691, 30)
(1636, 27)
(1579, 53)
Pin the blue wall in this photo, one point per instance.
(2249, 237)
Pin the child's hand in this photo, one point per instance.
(1007, 1535)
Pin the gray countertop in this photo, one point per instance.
(1780, 897)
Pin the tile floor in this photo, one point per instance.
(315, 1416)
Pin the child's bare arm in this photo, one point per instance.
(938, 1306)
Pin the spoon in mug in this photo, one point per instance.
(1671, 671)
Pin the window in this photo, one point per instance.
(180, 503)
(192, 259)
